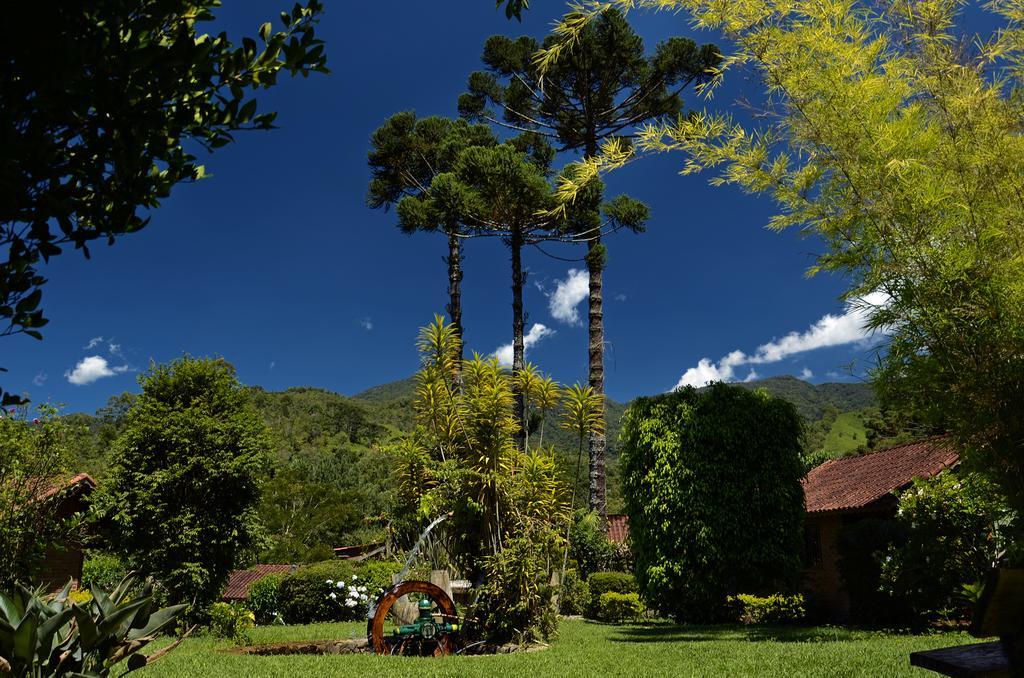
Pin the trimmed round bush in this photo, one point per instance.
(619, 607)
(601, 583)
(711, 481)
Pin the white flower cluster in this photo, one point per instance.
(352, 593)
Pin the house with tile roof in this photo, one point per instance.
(69, 497)
(843, 491)
(239, 581)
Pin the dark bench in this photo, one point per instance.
(1000, 613)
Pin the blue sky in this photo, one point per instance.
(276, 264)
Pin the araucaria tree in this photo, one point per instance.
(407, 155)
(603, 88)
(711, 481)
(140, 87)
(903, 151)
(184, 479)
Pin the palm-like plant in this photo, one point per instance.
(583, 414)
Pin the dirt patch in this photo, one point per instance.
(349, 646)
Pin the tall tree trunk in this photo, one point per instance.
(454, 260)
(598, 443)
(595, 356)
(518, 327)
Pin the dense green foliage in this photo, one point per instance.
(712, 487)
(774, 609)
(140, 89)
(586, 649)
(574, 595)
(956, 527)
(184, 480)
(43, 636)
(263, 598)
(233, 621)
(34, 455)
(328, 484)
(102, 570)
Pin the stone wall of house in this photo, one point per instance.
(822, 582)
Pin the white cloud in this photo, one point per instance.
(273, 364)
(91, 368)
(829, 331)
(567, 295)
(752, 376)
(620, 297)
(366, 324)
(806, 374)
(93, 343)
(40, 379)
(504, 352)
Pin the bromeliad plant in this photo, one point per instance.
(42, 636)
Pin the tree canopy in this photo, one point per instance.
(185, 478)
(102, 106)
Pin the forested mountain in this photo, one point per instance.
(812, 401)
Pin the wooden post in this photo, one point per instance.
(442, 580)
(404, 611)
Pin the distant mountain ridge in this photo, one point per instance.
(812, 401)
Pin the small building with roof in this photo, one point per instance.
(239, 581)
(843, 491)
(69, 497)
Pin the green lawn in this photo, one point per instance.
(587, 649)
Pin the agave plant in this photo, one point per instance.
(42, 636)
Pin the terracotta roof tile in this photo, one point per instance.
(82, 482)
(618, 528)
(854, 483)
(239, 581)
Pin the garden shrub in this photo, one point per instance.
(589, 545)
(575, 594)
(233, 621)
(104, 570)
(516, 604)
(619, 607)
(601, 583)
(303, 595)
(774, 609)
(264, 598)
(711, 481)
(331, 591)
(956, 525)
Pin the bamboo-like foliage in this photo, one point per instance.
(463, 457)
(896, 138)
(583, 414)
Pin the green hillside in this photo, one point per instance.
(813, 401)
